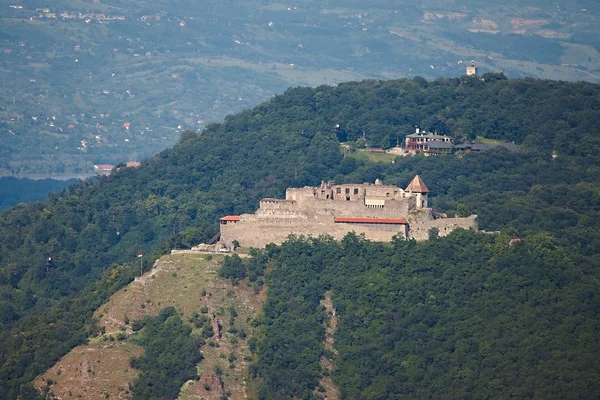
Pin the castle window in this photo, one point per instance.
(338, 190)
(347, 190)
(387, 194)
(322, 192)
(355, 192)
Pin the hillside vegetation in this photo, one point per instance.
(179, 306)
(467, 316)
(93, 231)
(87, 83)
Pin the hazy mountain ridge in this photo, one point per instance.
(91, 83)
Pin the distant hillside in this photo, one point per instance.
(105, 82)
(94, 230)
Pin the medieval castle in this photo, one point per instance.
(376, 210)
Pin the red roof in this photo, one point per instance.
(351, 220)
(417, 186)
(231, 218)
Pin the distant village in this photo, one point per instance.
(51, 13)
(100, 128)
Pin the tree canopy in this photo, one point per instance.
(175, 198)
(465, 316)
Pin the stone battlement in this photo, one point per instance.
(378, 211)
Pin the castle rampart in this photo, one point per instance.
(444, 226)
(257, 232)
(378, 211)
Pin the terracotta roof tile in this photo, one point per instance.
(231, 218)
(351, 220)
(417, 186)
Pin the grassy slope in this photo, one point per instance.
(102, 367)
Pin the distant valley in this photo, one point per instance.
(14, 191)
(115, 81)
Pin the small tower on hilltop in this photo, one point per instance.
(472, 69)
(418, 188)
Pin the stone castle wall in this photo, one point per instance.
(306, 204)
(300, 194)
(258, 232)
(445, 225)
(353, 192)
(310, 211)
(272, 208)
(276, 204)
(253, 231)
(391, 209)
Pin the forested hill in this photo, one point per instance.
(176, 197)
(465, 317)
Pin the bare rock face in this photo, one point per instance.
(209, 386)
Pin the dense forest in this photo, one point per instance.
(468, 316)
(14, 190)
(92, 231)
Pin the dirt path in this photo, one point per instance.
(331, 391)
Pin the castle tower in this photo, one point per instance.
(418, 188)
(472, 69)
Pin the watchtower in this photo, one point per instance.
(472, 69)
(418, 188)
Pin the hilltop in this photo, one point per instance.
(93, 231)
(104, 82)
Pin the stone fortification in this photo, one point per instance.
(420, 231)
(378, 211)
